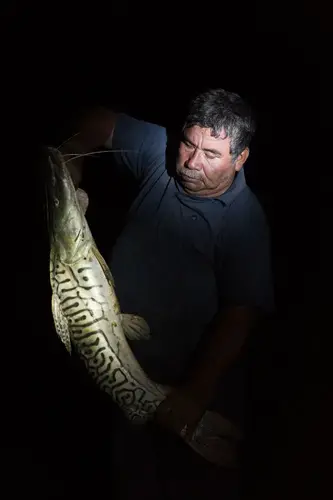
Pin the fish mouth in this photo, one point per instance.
(58, 179)
(52, 184)
(57, 166)
(59, 190)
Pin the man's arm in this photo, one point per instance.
(137, 145)
(245, 289)
(92, 129)
(221, 346)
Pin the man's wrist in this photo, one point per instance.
(200, 393)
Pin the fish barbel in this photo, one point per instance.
(87, 316)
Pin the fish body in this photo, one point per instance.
(89, 308)
(87, 316)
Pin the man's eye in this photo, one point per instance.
(187, 144)
(210, 156)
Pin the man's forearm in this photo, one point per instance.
(222, 347)
(90, 131)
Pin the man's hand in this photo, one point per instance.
(180, 412)
(83, 200)
(183, 408)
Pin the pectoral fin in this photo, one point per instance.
(60, 323)
(135, 327)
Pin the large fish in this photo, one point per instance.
(87, 316)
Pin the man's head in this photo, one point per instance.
(215, 142)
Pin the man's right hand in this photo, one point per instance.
(83, 200)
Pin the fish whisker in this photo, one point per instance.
(74, 156)
(67, 140)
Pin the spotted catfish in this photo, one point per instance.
(87, 316)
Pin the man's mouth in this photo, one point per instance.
(189, 176)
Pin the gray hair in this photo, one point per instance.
(223, 111)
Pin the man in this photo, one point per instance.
(193, 258)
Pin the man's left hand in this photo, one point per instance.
(180, 412)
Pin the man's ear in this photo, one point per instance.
(241, 159)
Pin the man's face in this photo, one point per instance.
(204, 165)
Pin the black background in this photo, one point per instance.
(149, 59)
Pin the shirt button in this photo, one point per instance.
(194, 217)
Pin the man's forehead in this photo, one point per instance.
(203, 139)
(205, 134)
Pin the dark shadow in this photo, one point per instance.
(51, 403)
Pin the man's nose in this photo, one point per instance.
(193, 161)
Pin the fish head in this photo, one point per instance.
(68, 229)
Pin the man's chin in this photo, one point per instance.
(190, 187)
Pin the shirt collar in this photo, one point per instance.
(238, 184)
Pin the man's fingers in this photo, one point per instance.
(83, 199)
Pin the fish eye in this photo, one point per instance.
(56, 202)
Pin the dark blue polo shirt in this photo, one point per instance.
(180, 258)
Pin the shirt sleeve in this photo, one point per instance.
(139, 145)
(244, 273)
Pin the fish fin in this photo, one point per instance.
(135, 327)
(60, 323)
